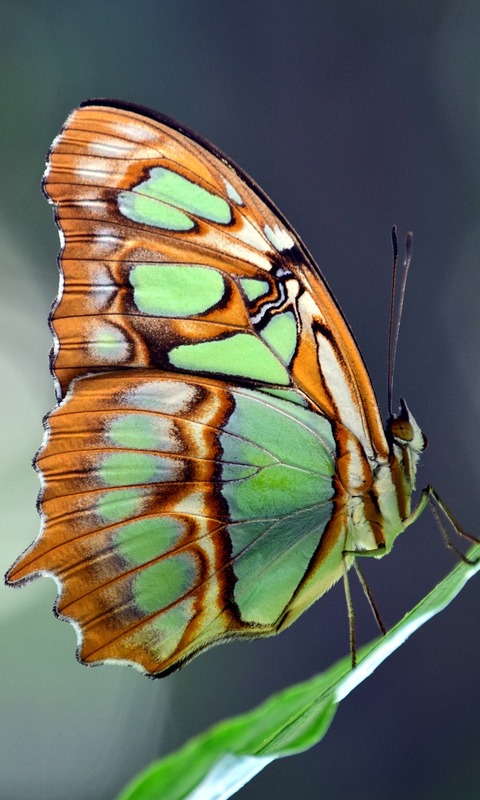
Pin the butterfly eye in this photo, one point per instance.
(405, 431)
(401, 429)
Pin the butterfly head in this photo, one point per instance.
(406, 440)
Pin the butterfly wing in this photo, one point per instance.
(175, 515)
(209, 383)
(174, 259)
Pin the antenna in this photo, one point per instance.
(396, 308)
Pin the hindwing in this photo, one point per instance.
(179, 512)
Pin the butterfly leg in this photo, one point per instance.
(350, 611)
(431, 498)
(367, 592)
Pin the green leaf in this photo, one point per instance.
(219, 762)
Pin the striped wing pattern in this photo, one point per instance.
(215, 417)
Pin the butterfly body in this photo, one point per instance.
(217, 455)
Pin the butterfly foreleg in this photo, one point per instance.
(431, 498)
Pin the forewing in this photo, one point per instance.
(174, 259)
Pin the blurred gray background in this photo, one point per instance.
(352, 116)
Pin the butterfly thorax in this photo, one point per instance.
(376, 492)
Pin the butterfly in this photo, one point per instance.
(217, 457)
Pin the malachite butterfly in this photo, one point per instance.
(217, 457)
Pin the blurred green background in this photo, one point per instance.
(352, 116)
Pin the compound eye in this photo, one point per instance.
(401, 429)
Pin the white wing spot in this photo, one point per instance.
(105, 241)
(108, 344)
(133, 132)
(169, 397)
(94, 204)
(193, 503)
(108, 150)
(90, 171)
(233, 194)
(102, 287)
(252, 236)
(279, 238)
